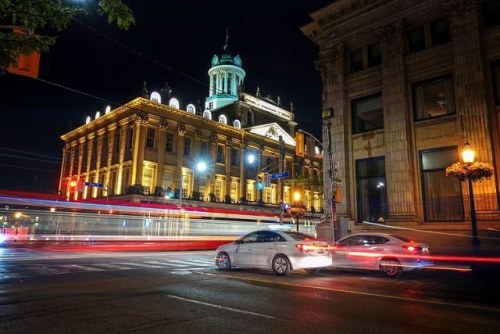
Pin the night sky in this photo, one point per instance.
(173, 41)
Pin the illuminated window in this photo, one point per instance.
(108, 109)
(191, 109)
(155, 97)
(174, 103)
(441, 194)
(237, 124)
(88, 119)
(218, 189)
(433, 98)
(234, 191)
(207, 114)
(223, 119)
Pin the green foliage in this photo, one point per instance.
(33, 17)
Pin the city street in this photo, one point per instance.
(182, 292)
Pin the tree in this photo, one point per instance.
(19, 19)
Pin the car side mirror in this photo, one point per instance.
(238, 242)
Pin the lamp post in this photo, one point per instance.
(468, 155)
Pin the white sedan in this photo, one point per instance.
(280, 251)
(391, 254)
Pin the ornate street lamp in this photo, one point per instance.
(468, 155)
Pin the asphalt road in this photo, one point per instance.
(182, 292)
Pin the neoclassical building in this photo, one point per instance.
(409, 82)
(154, 146)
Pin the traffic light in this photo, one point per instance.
(260, 180)
(267, 179)
(299, 144)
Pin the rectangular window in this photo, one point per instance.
(235, 157)
(150, 139)
(117, 141)
(433, 98)
(440, 32)
(218, 190)
(130, 138)
(204, 149)
(495, 67)
(371, 190)
(169, 147)
(374, 56)
(491, 10)
(220, 154)
(367, 114)
(250, 191)
(104, 157)
(416, 40)
(234, 192)
(356, 61)
(187, 146)
(442, 195)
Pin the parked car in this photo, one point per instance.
(280, 251)
(389, 253)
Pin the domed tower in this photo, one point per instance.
(226, 75)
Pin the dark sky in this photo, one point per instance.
(173, 41)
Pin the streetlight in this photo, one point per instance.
(468, 155)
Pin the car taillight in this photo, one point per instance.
(308, 248)
(305, 248)
(413, 248)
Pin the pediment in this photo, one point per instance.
(272, 131)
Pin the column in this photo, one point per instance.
(162, 141)
(470, 94)
(243, 181)
(139, 143)
(228, 168)
(181, 132)
(400, 173)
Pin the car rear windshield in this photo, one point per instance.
(299, 236)
(401, 238)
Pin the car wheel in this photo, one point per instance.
(222, 261)
(281, 265)
(391, 267)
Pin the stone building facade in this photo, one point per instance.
(409, 83)
(153, 146)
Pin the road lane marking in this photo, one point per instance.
(227, 308)
(424, 301)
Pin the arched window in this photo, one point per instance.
(108, 109)
(155, 97)
(97, 115)
(174, 103)
(87, 120)
(223, 119)
(191, 108)
(207, 114)
(237, 124)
